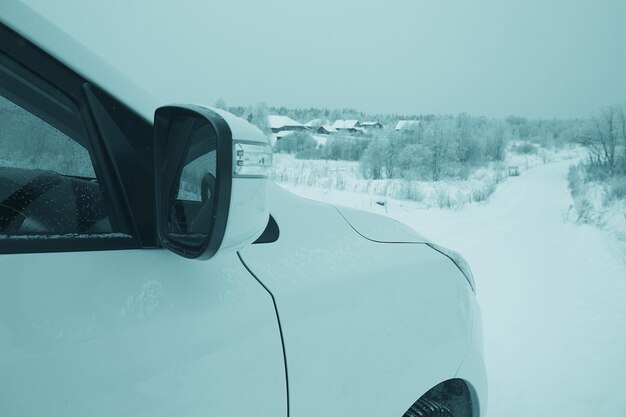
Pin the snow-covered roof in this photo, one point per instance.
(278, 122)
(346, 124)
(369, 124)
(407, 124)
(314, 123)
(328, 128)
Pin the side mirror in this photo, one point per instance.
(211, 180)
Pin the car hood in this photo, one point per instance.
(380, 228)
(287, 208)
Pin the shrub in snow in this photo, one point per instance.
(296, 142)
(344, 148)
(525, 148)
(444, 199)
(481, 194)
(616, 189)
(599, 197)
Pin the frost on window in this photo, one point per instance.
(48, 187)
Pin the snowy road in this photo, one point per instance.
(553, 294)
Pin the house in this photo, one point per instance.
(371, 125)
(407, 124)
(352, 126)
(346, 124)
(326, 130)
(284, 123)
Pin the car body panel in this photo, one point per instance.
(380, 228)
(136, 332)
(473, 369)
(368, 327)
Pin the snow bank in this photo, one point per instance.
(593, 205)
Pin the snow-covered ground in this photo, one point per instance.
(593, 205)
(449, 193)
(553, 293)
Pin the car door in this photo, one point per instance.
(95, 318)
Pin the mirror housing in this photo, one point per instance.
(211, 173)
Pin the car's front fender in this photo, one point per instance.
(368, 327)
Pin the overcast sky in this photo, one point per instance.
(536, 58)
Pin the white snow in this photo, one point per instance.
(407, 124)
(280, 122)
(454, 193)
(345, 124)
(553, 293)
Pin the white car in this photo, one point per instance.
(290, 307)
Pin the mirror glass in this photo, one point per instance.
(192, 204)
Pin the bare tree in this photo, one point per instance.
(220, 103)
(463, 137)
(622, 123)
(260, 115)
(496, 141)
(601, 137)
(467, 143)
(373, 161)
(257, 115)
(436, 140)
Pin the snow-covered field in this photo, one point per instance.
(553, 292)
(449, 193)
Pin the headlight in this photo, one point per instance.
(459, 261)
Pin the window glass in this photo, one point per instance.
(48, 187)
(197, 179)
(30, 143)
(192, 211)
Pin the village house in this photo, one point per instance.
(371, 125)
(326, 130)
(284, 124)
(407, 124)
(352, 126)
(346, 124)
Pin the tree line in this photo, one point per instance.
(449, 145)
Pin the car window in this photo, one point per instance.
(29, 142)
(48, 186)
